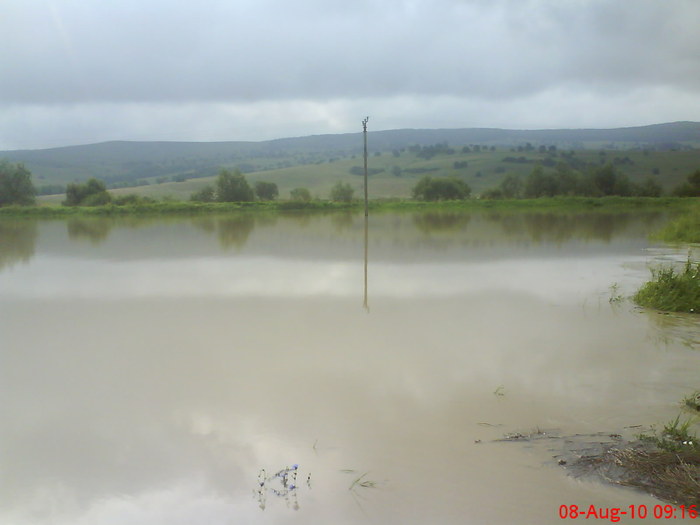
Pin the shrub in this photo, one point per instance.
(233, 187)
(206, 194)
(91, 193)
(300, 194)
(342, 192)
(442, 188)
(672, 291)
(132, 198)
(266, 191)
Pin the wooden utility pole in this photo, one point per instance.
(364, 133)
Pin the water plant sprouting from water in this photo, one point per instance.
(282, 484)
(693, 401)
(363, 483)
(671, 290)
(676, 437)
(615, 295)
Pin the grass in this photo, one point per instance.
(672, 470)
(615, 295)
(693, 401)
(170, 207)
(665, 464)
(166, 208)
(670, 476)
(364, 483)
(671, 290)
(676, 438)
(684, 229)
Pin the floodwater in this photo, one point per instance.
(151, 369)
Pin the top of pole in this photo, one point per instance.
(364, 124)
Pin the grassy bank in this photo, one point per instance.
(166, 208)
(671, 290)
(543, 204)
(684, 229)
(664, 463)
(187, 207)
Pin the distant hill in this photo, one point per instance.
(125, 164)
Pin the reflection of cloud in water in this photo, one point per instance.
(559, 279)
(173, 406)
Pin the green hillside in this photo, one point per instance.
(396, 175)
(398, 158)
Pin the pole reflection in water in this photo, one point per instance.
(365, 304)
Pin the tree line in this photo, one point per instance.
(232, 186)
(600, 182)
(16, 187)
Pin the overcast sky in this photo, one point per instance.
(85, 71)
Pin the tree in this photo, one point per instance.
(342, 192)
(691, 188)
(511, 187)
(206, 194)
(266, 191)
(442, 188)
(605, 179)
(567, 179)
(650, 188)
(15, 185)
(233, 187)
(300, 194)
(540, 184)
(91, 193)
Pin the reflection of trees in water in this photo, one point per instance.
(97, 229)
(441, 221)
(301, 218)
(17, 241)
(342, 220)
(233, 231)
(266, 219)
(94, 230)
(205, 224)
(561, 227)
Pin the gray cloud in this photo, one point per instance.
(195, 65)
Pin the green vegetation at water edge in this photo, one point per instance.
(134, 205)
(692, 402)
(676, 436)
(167, 208)
(671, 290)
(684, 229)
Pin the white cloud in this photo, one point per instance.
(223, 70)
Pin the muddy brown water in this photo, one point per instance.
(151, 369)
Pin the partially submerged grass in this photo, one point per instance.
(671, 470)
(673, 477)
(675, 438)
(692, 401)
(671, 290)
(665, 464)
(615, 295)
(364, 483)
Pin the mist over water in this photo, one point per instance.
(153, 368)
